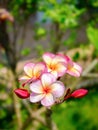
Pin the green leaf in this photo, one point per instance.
(41, 31)
(92, 34)
(25, 51)
(1, 65)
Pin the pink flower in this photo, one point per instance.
(22, 93)
(33, 72)
(79, 93)
(5, 15)
(55, 64)
(72, 68)
(46, 90)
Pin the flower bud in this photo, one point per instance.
(79, 93)
(22, 93)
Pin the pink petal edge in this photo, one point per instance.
(47, 79)
(48, 100)
(36, 97)
(58, 89)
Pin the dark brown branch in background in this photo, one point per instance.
(49, 123)
(6, 45)
(23, 35)
(48, 119)
(12, 62)
(57, 37)
(15, 36)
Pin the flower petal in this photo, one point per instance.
(48, 57)
(61, 68)
(67, 59)
(78, 67)
(48, 100)
(75, 70)
(58, 89)
(24, 78)
(47, 79)
(36, 97)
(58, 58)
(54, 73)
(36, 87)
(28, 68)
(39, 68)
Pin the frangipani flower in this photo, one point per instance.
(55, 64)
(33, 72)
(46, 90)
(72, 68)
(44, 77)
(5, 15)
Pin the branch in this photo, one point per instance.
(34, 115)
(50, 124)
(23, 38)
(17, 107)
(89, 83)
(90, 75)
(90, 67)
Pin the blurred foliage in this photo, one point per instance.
(71, 39)
(39, 33)
(60, 12)
(22, 9)
(92, 34)
(1, 65)
(25, 51)
(76, 56)
(66, 14)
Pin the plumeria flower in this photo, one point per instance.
(5, 15)
(72, 68)
(55, 64)
(46, 90)
(33, 72)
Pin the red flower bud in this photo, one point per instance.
(79, 93)
(22, 93)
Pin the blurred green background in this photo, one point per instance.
(67, 26)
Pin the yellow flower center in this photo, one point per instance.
(69, 67)
(52, 67)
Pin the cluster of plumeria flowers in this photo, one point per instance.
(44, 80)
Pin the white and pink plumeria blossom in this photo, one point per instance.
(33, 72)
(46, 90)
(73, 68)
(55, 64)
